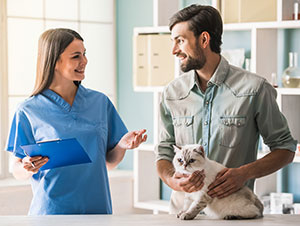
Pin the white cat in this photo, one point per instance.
(242, 204)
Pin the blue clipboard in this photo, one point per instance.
(60, 152)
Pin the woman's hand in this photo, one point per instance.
(133, 139)
(24, 168)
(130, 140)
(33, 164)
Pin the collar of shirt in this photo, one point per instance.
(220, 73)
(217, 78)
(181, 87)
(60, 101)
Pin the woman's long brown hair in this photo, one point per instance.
(52, 44)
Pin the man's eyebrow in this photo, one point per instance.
(175, 38)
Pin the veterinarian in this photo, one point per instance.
(60, 108)
(223, 107)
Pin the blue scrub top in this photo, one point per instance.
(95, 123)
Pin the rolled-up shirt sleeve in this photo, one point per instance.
(164, 149)
(271, 123)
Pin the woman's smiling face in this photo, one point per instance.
(72, 62)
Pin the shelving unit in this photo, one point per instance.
(288, 100)
(146, 181)
(264, 45)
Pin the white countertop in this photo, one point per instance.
(140, 220)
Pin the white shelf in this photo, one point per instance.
(148, 89)
(296, 158)
(155, 205)
(146, 147)
(151, 30)
(288, 91)
(262, 25)
(116, 173)
(8, 182)
(287, 24)
(146, 180)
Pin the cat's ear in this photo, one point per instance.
(199, 149)
(176, 148)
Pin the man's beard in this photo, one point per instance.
(195, 63)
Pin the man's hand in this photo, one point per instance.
(228, 181)
(178, 181)
(188, 183)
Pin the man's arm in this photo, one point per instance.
(230, 180)
(274, 129)
(177, 181)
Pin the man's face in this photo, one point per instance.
(187, 48)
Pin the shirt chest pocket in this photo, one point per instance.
(183, 128)
(232, 130)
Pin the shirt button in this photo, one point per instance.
(205, 123)
(206, 102)
(204, 143)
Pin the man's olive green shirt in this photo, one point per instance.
(226, 119)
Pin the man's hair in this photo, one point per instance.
(201, 18)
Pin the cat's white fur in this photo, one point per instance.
(241, 204)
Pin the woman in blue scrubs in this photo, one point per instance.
(61, 108)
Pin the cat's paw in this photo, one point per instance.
(179, 214)
(186, 216)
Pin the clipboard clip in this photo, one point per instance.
(43, 141)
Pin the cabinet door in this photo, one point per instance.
(162, 61)
(230, 11)
(238, 11)
(257, 10)
(140, 60)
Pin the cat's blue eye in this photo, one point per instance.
(192, 160)
(180, 160)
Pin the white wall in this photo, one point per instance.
(15, 199)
